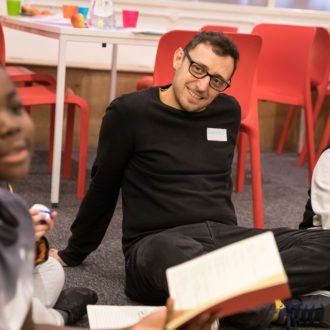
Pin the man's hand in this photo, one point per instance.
(41, 228)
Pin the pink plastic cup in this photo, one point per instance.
(130, 18)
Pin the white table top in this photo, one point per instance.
(54, 27)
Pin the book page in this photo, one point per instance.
(226, 272)
(117, 317)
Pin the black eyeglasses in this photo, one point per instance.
(199, 72)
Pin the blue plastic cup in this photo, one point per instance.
(83, 11)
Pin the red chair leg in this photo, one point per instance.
(51, 137)
(316, 113)
(285, 130)
(83, 147)
(310, 137)
(241, 159)
(67, 163)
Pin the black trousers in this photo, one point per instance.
(305, 255)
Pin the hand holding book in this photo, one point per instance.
(232, 279)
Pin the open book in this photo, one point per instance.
(117, 317)
(229, 280)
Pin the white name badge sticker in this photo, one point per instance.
(217, 134)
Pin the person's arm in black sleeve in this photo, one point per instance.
(115, 148)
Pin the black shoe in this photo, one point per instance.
(74, 302)
(308, 310)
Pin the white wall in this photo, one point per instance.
(22, 47)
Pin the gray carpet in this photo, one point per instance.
(284, 190)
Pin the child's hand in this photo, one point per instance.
(204, 321)
(41, 222)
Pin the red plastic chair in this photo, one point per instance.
(220, 28)
(285, 77)
(319, 82)
(285, 74)
(40, 95)
(243, 88)
(44, 95)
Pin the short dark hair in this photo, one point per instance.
(221, 44)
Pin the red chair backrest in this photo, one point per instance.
(285, 58)
(168, 44)
(243, 82)
(219, 28)
(243, 85)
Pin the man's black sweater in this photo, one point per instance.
(174, 168)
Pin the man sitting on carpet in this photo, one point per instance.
(170, 150)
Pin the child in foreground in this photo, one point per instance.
(23, 280)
